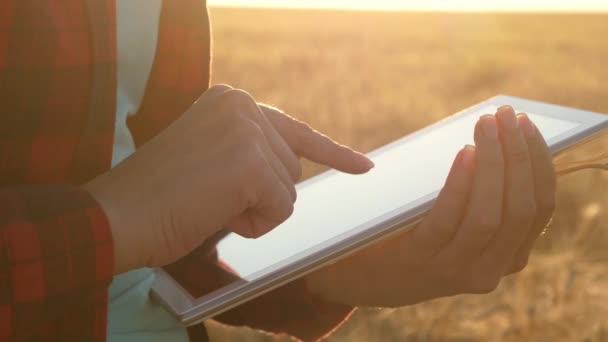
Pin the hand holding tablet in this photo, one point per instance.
(471, 238)
(338, 214)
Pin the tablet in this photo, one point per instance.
(336, 214)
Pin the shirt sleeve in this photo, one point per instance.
(291, 310)
(56, 262)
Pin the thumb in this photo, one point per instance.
(439, 227)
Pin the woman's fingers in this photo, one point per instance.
(275, 202)
(519, 209)
(544, 184)
(312, 145)
(215, 91)
(443, 220)
(281, 148)
(483, 215)
(282, 173)
(276, 142)
(284, 163)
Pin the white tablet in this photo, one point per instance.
(337, 214)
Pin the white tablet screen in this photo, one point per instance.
(333, 205)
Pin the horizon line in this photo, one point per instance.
(417, 10)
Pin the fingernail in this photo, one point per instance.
(527, 126)
(468, 156)
(505, 108)
(507, 118)
(488, 124)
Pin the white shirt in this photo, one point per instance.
(132, 316)
(137, 32)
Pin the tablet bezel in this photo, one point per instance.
(191, 310)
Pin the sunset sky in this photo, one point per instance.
(443, 5)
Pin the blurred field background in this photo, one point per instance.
(367, 78)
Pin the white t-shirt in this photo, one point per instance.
(132, 317)
(137, 32)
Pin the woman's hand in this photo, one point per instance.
(224, 163)
(497, 199)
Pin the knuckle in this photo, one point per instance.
(220, 88)
(237, 97)
(216, 97)
(213, 95)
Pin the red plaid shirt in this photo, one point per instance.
(57, 112)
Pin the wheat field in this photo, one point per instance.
(367, 78)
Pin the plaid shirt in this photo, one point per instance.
(57, 112)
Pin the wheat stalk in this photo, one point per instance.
(600, 162)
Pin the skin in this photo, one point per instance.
(239, 171)
(495, 203)
(223, 164)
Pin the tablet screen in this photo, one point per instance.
(333, 205)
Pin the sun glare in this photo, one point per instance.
(429, 5)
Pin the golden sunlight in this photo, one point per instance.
(429, 5)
